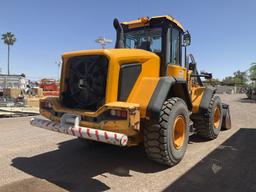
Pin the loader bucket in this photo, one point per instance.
(226, 119)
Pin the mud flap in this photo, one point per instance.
(226, 119)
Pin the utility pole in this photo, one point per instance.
(58, 63)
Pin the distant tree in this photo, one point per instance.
(240, 78)
(212, 82)
(9, 39)
(228, 81)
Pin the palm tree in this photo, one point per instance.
(9, 39)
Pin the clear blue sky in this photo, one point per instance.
(223, 31)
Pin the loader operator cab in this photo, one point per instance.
(161, 35)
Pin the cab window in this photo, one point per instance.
(147, 39)
(175, 46)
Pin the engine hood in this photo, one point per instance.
(119, 54)
(115, 58)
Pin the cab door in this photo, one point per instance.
(175, 68)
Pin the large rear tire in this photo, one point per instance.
(166, 141)
(209, 124)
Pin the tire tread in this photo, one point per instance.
(155, 139)
(203, 123)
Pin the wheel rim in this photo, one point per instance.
(216, 117)
(179, 131)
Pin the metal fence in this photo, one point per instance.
(9, 81)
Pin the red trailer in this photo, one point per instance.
(50, 87)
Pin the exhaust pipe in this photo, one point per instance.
(83, 132)
(119, 34)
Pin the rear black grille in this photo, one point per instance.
(86, 82)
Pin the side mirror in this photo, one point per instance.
(186, 39)
(192, 66)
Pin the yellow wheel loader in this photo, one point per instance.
(140, 91)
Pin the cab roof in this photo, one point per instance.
(144, 20)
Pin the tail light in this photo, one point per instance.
(118, 113)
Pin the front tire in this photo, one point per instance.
(209, 124)
(166, 141)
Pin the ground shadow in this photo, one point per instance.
(246, 100)
(230, 167)
(74, 166)
(11, 114)
(195, 138)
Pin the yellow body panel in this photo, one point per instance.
(196, 97)
(142, 93)
(150, 68)
(140, 23)
(177, 71)
(172, 20)
(129, 126)
(190, 83)
(57, 107)
(136, 24)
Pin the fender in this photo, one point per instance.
(167, 87)
(206, 99)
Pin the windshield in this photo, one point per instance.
(147, 39)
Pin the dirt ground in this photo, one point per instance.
(33, 159)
